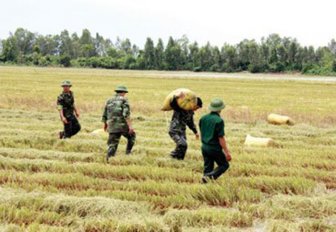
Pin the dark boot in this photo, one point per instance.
(130, 143)
(61, 134)
(110, 152)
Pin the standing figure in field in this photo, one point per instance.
(117, 122)
(214, 147)
(177, 130)
(68, 112)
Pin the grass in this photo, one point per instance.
(53, 185)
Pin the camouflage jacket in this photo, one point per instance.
(181, 118)
(116, 112)
(66, 102)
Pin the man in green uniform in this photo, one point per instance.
(214, 147)
(116, 119)
(68, 111)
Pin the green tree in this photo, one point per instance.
(86, 44)
(66, 46)
(76, 45)
(217, 60)
(332, 46)
(102, 45)
(10, 51)
(65, 60)
(124, 46)
(159, 55)
(172, 55)
(183, 44)
(112, 52)
(333, 67)
(25, 40)
(194, 61)
(230, 58)
(206, 57)
(149, 54)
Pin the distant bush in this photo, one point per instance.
(313, 69)
(197, 69)
(65, 60)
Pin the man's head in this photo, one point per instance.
(66, 85)
(199, 103)
(121, 90)
(216, 105)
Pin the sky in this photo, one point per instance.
(311, 22)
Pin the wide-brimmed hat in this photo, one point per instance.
(121, 88)
(216, 105)
(66, 83)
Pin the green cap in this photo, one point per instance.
(121, 88)
(216, 105)
(66, 83)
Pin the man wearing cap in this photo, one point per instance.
(214, 147)
(117, 122)
(180, 120)
(68, 111)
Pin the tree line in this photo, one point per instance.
(272, 54)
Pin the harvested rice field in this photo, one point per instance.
(48, 184)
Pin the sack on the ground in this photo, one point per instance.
(98, 132)
(278, 119)
(258, 142)
(189, 101)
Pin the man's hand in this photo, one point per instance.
(228, 157)
(105, 127)
(131, 130)
(77, 114)
(64, 120)
(181, 95)
(197, 136)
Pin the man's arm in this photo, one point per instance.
(76, 111)
(63, 118)
(60, 109)
(104, 118)
(127, 115)
(191, 124)
(174, 105)
(74, 105)
(130, 128)
(222, 142)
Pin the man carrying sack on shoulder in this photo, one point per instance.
(180, 120)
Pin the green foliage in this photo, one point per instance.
(273, 54)
(65, 60)
(149, 54)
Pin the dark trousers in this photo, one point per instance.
(180, 140)
(72, 127)
(212, 156)
(113, 142)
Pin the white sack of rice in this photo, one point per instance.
(278, 119)
(258, 142)
(98, 132)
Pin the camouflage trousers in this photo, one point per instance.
(72, 127)
(180, 139)
(114, 139)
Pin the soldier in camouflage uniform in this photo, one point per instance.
(116, 119)
(177, 130)
(68, 111)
